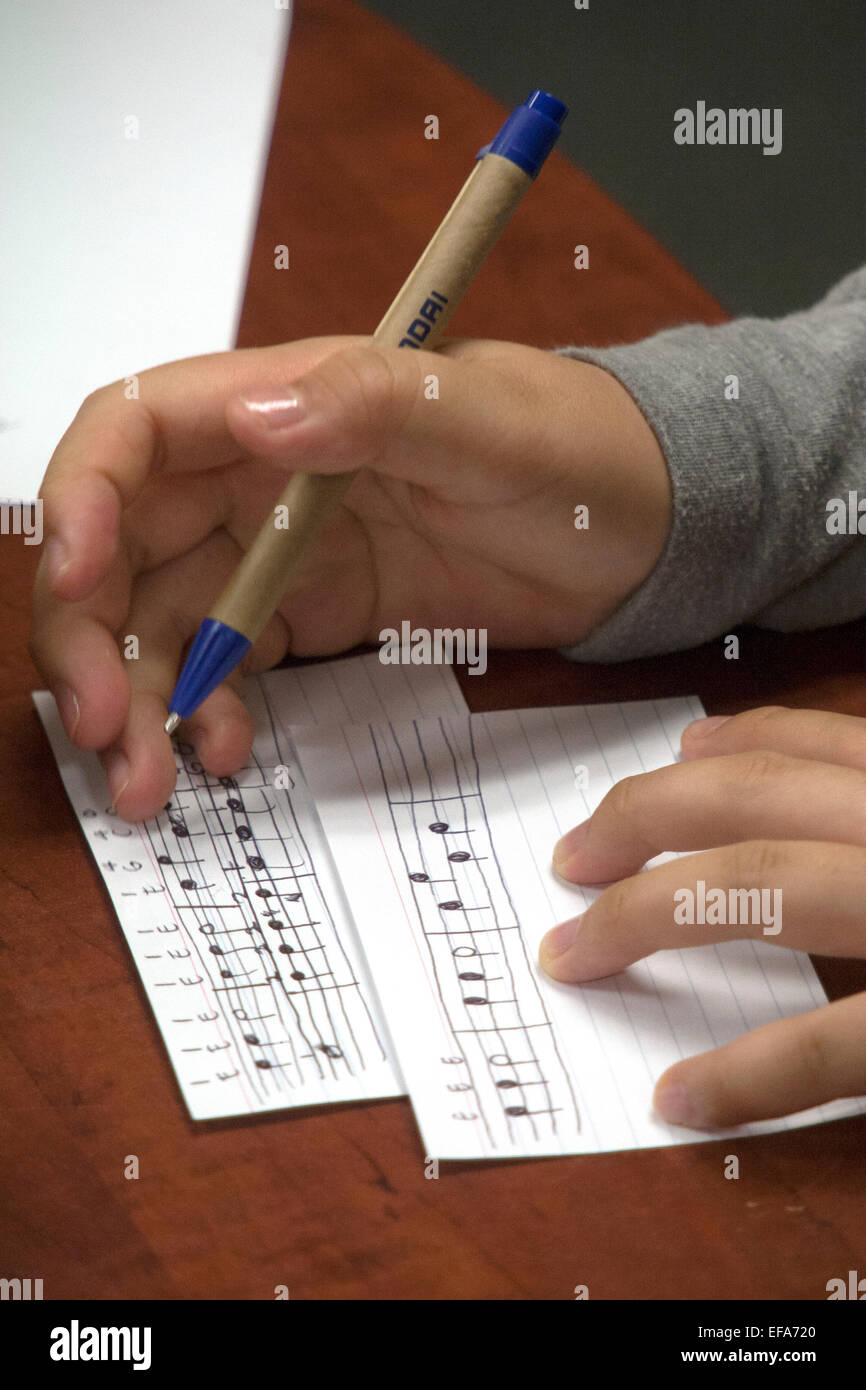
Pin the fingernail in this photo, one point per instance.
(58, 560)
(276, 412)
(702, 727)
(569, 844)
(117, 774)
(67, 703)
(557, 941)
(675, 1105)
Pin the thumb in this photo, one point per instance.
(412, 415)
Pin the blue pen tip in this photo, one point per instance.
(217, 649)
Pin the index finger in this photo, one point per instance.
(735, 892)
(168, 418)
(715, 801)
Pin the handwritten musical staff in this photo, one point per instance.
(496, 1008)
(458, 890)
(237, 923)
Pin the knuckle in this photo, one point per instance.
(365, 380)
(626, 797)
(767, 717)
(812, 1053)
(760, 766)
(129, 428)
(97, 400)
(617, 903)
(629, 812)
(754, 862)
(139, 429)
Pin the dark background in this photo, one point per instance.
(764, 233)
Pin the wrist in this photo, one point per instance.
(622, 468)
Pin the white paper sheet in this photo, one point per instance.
(132, 165)
(234, 917)
(442, 831)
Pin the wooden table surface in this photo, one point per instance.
(333, 1202)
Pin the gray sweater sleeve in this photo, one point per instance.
(753, 465)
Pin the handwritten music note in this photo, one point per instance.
(236, 921)
(448, 825)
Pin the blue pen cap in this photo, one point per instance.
(530, 132)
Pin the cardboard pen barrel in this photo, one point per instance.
(416, 319)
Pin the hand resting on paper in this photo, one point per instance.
(773, 799)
